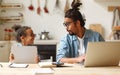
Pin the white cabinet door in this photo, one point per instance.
(4, 51)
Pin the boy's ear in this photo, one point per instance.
(22, 37)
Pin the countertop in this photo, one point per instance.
(35, 42)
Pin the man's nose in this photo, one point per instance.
(67, 28)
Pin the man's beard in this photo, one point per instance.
(71, 33)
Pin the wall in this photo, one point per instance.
(95, 12)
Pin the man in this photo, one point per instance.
(73, 46)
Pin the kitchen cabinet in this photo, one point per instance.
(4, 51)
(47, 49)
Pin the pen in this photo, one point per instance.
(10, 64)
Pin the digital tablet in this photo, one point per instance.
(24, 54)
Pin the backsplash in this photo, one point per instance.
(53, 21)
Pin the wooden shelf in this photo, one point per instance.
(11, 19)
(11, 5)
(111, 8)
(107, 0)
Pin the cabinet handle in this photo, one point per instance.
(1, 46)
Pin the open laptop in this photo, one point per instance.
(102, 54)
(24, 54)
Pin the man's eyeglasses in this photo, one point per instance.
(67, 24)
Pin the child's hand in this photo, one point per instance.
(37, 59)
(11, 57)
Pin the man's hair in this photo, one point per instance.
(74, 12)
(20, 31)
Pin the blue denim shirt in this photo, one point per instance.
(69, 45)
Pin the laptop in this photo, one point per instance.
(100, 54)
(24, 54)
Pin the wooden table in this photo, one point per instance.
(75, 69)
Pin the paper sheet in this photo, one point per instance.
(40, 71)
(46, 64)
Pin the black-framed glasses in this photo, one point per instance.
(66, 24)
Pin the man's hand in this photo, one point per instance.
(81, 58)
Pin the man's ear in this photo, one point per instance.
(78, 23)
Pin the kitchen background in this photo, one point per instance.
(95, 12)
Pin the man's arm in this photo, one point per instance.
(73, 60)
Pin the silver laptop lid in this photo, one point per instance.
(102, 54)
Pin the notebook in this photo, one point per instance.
(14, 65)
(24, 54)
(102, 54)
(42, 71)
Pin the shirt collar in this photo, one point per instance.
(19, 44)
(87, 32)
